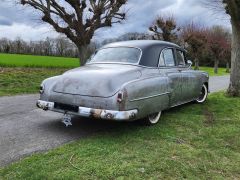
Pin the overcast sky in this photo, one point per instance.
(16, 21)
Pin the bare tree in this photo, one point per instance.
(48, 46)
(232, 8)
(61, 45)
(4, 45)
(165, 29)
(195, 40)
(218, 44)
(79, 19)
(18, 45)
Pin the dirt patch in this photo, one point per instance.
(209, 119)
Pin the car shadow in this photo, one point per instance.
(85, 127)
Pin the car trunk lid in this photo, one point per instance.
(96, 80)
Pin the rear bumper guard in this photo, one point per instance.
(90, 112)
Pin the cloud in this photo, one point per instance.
(16, 13)
(16, 20)
(5, 22)
(141, 14)
(186, 11)
(26, 32)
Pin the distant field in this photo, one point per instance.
(15, 60)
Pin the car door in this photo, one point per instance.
(167, 64)
(190, 79)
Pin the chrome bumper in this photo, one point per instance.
(90, 112)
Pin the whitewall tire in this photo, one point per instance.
(203, 94)
(153, 118)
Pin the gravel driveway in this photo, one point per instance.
(24, 129)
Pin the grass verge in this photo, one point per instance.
(210, 71)
(16, 60)
(192, 141)
(27, 80)
(24, 80)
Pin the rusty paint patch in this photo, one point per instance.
(96, 113)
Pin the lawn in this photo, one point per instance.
(24, 80)
(22, 74)
(15, 60)
(210, 71)
(190, 142)
(15, 81)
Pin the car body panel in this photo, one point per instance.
(142, 88)
(107, 78)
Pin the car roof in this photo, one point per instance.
(142, 44)
(150, 49)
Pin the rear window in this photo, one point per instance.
(117, 55)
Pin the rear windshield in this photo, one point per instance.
(117, 55)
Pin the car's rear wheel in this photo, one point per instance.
(203, 94)
(153, 118)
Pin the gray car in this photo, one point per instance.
(126, 81)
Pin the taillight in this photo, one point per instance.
(120, 97)
(41, 91)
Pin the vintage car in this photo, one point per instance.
(126, 81)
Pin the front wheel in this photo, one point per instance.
(153, 119)
(203, 94)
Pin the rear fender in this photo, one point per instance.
(149, 95)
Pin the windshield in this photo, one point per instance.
(117, 55)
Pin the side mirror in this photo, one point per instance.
(189, 62)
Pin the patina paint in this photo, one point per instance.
(96, 87)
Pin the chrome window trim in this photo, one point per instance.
(164, 58)
(141, 66)
(137, 63)
(166, 67)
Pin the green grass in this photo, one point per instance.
(192, 141)
(210, 71)
(27, 80)
(16, 60)
(24, 80)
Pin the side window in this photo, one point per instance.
(180, 58)
(168, 57)
(161, 60)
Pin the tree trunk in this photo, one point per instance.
(83, 54)
(216, 62)
(234, 87)
(196, 64)
(228, 68)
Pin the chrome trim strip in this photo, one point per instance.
(148, 97)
